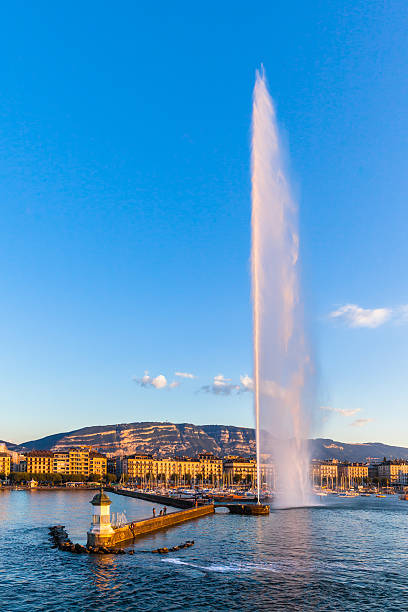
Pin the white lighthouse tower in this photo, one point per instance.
(101, 531)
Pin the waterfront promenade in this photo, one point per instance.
(166, 500)
(137, 528)
(133, 529)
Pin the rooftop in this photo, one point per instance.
(100, 499)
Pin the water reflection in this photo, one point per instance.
(104, 571)
(349, 556)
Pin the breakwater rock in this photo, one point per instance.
(61, 540)
(174, 548)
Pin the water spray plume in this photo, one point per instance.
(280, 357)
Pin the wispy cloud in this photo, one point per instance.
(356, 316)
(247, 383)
(343, 411)
(360, 422)
(158, 382)
(402, 314)
(224, 386)
(184, 375)
(220, 386)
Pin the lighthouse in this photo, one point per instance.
(101, 531)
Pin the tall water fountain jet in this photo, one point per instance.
(280, 356)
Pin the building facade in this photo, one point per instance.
(391, 470)
(75, 461)
(242, 469)
(325, 473)
(237, 469)
(352, 474)
(204, 468)
(39, 462)
(5, 464)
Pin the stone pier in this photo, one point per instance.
(132, 530)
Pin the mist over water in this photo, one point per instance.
(280, 357)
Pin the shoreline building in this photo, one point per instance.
(402, 480)
(325, 473)
(352, 474)
(241, 469)
(75, 461)
(145, 468)
(15, 457)
(205, 468)
(392, 469)
(5, 464)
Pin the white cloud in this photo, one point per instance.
(355, 316)
(184, 375)
(159, 382)
(360, 422)
(343, 411)
(224, 386)
(174, 384)
(145, 381)
(221, 386)
(247, 383)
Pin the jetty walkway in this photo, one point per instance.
(137, 528)
(187, 511)
(174, 502)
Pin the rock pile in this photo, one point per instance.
(174, 548)
(60, 539)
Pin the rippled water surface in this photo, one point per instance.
(348, 554)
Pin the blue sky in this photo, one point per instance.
(125, 207)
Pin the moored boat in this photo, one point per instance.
(250, 509)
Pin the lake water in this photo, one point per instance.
(347, 554)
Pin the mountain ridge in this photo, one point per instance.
(167, 439)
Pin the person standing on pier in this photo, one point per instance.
(154, 512)
(164, 509)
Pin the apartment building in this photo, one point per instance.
(78, 461)
(205, 467)
(325, 473)
(351, 474)
(391, 470)
(239, 468)
(5, 464)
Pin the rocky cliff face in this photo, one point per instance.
(233, 440)
(169, 439)
(161, 439)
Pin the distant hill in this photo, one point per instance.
(165, 439)
(162, 439)
(324, 448)
(10, 445)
